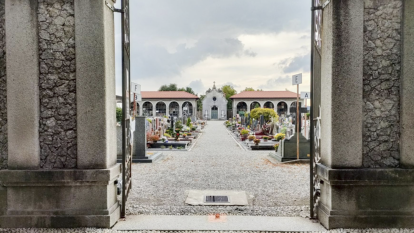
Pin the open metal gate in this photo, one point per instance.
(316, 58)
(126, 100)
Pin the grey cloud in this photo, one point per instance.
(197, 86)
(297, 63)
(276, 83)
(250, 53)
(231, 84)
(230, 18)
(158, 62)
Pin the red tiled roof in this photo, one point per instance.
(265, 95)
(167, 95)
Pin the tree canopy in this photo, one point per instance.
(228, 91)
(251, 89)
(187, 89)
(171, 87)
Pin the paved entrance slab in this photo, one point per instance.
(197, 197)
(244, 223)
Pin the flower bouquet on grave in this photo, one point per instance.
(177, 136)
(244, 133)
(256, 141)
(155, 138)
(251, 137)
(184, 135)
(276, 146)
(279, 136)
(265, 138)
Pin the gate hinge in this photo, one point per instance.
(113, 9)
(321, 7)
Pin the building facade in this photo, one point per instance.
(214, 105)
(167, 103)
(280, 101)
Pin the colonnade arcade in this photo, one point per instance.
(176, 108)
(280, 106)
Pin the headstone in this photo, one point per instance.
(140, 139)
(254, 124)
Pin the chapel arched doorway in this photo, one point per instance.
(214, 113)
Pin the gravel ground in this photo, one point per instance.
(217, 162)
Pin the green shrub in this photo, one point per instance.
(266, 112)
(118, 114)
(188, 122)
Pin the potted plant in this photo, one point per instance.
(155, 138)
(244, 133)
(184, 135)
(276, 146)
(265, 138)
(189, 134)
(256, 141)
(171, 147)
(163, 139)
(177, 136)
(279, 136)
(252, 137)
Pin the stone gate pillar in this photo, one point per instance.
(60, 159)
(367, 88)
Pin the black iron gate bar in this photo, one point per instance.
(126, 100)
(315, 139)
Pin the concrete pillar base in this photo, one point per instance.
(366, 198)
(59, 198)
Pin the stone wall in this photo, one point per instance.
(382, 64)
(57, 84)
(3, 93)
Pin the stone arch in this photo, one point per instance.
(174, 109)
(254, 104)
(189, 111)
(282, 108)
(241, 106)
(269, 104)
(147, 109)
(160, 109)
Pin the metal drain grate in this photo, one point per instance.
(217, 199)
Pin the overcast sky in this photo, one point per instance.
(244, 43)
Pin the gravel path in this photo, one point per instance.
(217, 162)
